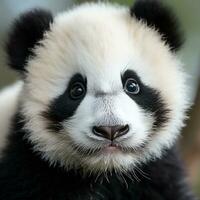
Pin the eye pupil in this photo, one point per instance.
(131, 86)
(77, 91)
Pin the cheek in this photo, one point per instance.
(131, 113)
(140, 122)
(81, 122)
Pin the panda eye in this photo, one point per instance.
(77, 90)
(131, 86)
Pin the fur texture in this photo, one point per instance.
(8, 106)
(33, 179)
(26, 32)
(66, 51)
(157, 16)
(53, 152)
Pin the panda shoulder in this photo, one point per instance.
(8, 105)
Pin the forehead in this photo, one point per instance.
(93, 38)
(101, 41)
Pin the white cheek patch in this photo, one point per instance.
(139, 121)
(80, 124)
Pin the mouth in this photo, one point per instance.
(111, 148)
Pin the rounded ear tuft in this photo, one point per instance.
(156, 15)
(27, 30)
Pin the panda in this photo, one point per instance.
(101, 104)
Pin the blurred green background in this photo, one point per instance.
(188, 13)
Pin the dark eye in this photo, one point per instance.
(77, 91)
(131, 86)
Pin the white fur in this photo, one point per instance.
(8, 106)
(101, 41)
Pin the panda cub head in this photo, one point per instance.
(103, 89)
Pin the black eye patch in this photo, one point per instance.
(149, 99)
(64, 106)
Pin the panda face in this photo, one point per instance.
(102, 94)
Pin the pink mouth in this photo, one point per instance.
(112, 148)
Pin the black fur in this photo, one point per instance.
(25, 176)
(149, 99)
(27, 31)
(160, 17)
(63, 107)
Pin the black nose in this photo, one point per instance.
(110, 132)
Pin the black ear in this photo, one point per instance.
(156, 15)
(27, 30)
